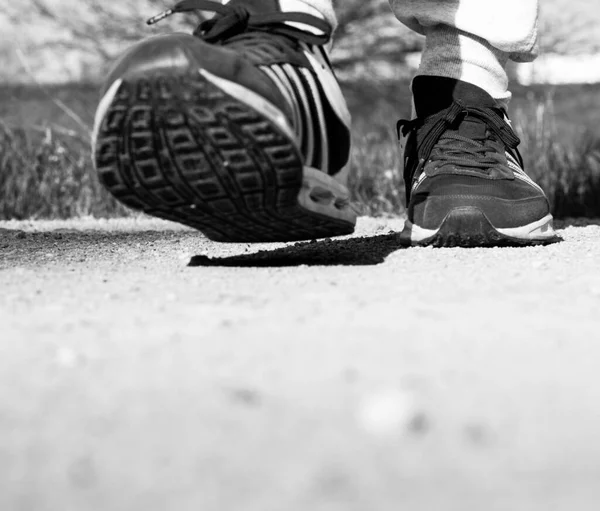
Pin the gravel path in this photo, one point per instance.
(143, 368)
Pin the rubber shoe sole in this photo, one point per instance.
(205, 152)
(469, 227)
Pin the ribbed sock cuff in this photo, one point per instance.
(454, 54)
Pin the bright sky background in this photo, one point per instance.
(561, 12)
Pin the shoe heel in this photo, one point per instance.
(323, 195)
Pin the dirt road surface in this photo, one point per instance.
(143, 368)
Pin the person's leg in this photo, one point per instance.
(471, 40)
(464, 175)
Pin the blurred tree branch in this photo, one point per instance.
(571, 34)
(367, 33)
(368, 36)
(99, 28)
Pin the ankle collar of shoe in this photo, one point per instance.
(433, 94)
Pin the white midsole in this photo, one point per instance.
(540, 230)
(103, 107)
(254, 101)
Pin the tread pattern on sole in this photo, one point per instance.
(470, 228)
(179, 148)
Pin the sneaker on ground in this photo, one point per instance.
(464, 176)
(239, 130)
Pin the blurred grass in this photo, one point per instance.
(46, 172)
(567, 168)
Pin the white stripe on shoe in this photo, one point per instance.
(308, 134)
(306, 90)
(520, 173)
(302, 94)
(105, 104)
(322, 128)
(288, 71)
(285, 88)
(333, 93)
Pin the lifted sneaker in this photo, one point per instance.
(465, 182)
(240, 130)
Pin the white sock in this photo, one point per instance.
(320, 8)
(455, 54)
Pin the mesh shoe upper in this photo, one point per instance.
(287, 48)
(461, 152)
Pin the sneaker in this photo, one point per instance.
(239, 130)
(464, 176)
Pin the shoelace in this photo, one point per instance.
(435, 144)
(232, 21)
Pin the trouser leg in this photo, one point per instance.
(472, 40)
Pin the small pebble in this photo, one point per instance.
(66, 357)
(390, 412)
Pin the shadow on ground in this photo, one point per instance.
(367, 251)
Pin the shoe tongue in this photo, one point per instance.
(435, 93)
(473, 129)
